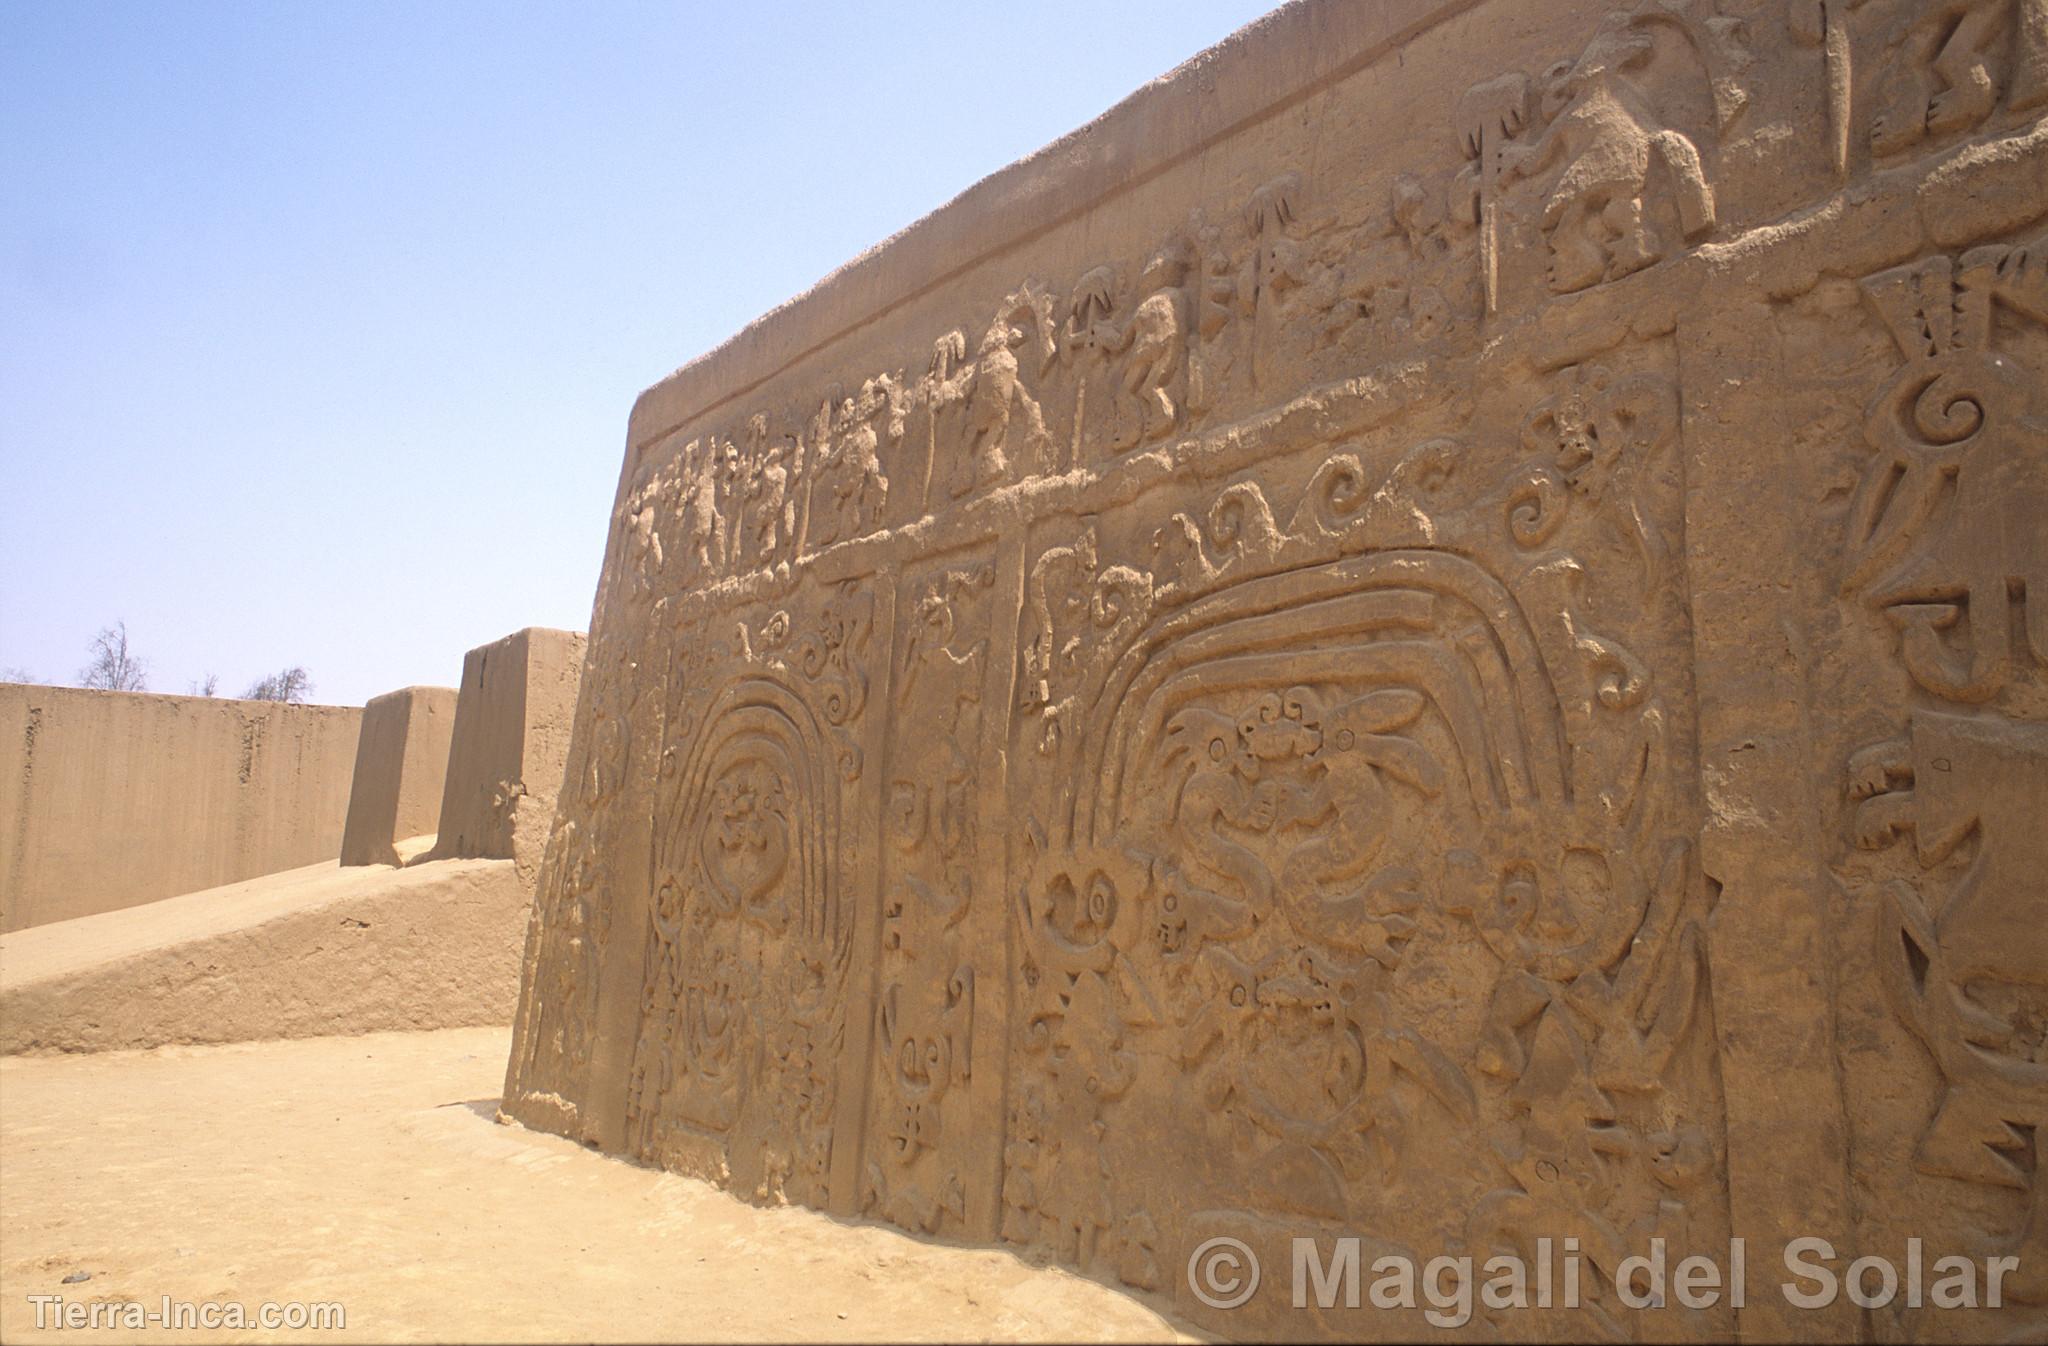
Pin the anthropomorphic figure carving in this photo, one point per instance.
(1022, 1147)
(1607, 135)
(703, 524)
(1242, 784)
(734, 473)
(768, 498)
(1154, 346)
(998, 403)
(1277, 264)
(639, 521)
(877, 415)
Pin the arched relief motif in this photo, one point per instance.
(1293, 746)
(748, 945)
(1434, 622)
(759, 735)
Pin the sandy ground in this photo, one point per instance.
(367, 1171)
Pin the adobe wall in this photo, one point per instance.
(401, 765)
(1433, 630)
(510, 743)
(323, 949)
(110, 799)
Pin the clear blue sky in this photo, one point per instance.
(319, 323)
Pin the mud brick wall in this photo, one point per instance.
(401, 766)
(110, 799)
(1435, 629)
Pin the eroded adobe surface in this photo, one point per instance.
(1433, 630)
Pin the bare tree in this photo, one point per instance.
(292, 684)
(207, 686)
(113, 667)
(17, 674)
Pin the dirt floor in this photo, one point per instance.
(367, 1171)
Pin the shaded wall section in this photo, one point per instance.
(401, 764)
(511, 740)
(110, 799)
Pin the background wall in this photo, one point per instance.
(110, 799)
(511, 741)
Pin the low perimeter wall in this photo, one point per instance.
(110, 799)
(317, 950)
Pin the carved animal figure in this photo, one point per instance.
(1607, 136)
(1969, 973)
(1953, 777)
(1059, 580)
(931, 638)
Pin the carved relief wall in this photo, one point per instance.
(1943, 802)
(1461, 678)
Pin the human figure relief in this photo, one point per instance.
(998, 403)
(735, 482)
(1082, 341)
(877, 415)
(1154, 346)
(638, 521)
(703, 523)
(1213, 344)
(1276, 265)
(773, 508)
